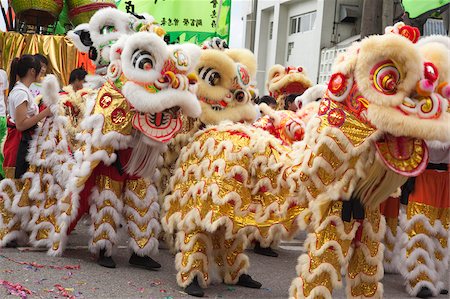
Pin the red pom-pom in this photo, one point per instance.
(430, 72)
(337, 84)
(410, 33)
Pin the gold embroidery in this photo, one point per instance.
(358, 264)
(392, 223)
(141, 211)
(322, 279)
(9, 172)
(107, 183)
(55, 246)
(43, 234)
(366, 289)
(107, 218)
(197, 266)
(138, 187)
(232, 255)
(354, 129)
(121, 120)
(421, 277)
(103, 236)
(328, 256)
(430, 212)
(325, 152)
(403, 163)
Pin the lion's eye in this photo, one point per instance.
(107, 29)
(143, 59)
(386, 77)
(209, 75)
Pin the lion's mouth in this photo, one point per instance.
(160, 126)
(403, 155)
(291, 88)
(215, 105)
(217, 108)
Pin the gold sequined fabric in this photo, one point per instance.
(215, 185)
(115, 109)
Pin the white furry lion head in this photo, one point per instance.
(385, 85)
(157, 80)
(224, 88)
(105, 27)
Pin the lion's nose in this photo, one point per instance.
(192, 78)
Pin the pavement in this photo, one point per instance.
(76, 275)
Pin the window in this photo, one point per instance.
(302, 23)
(289, 50)
(293, 25)
(270, 30)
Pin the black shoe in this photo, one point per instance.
(105, 261)
(444, 292)
(144, 262)
(247, 281)
(12, 244)
(424, 293)
(194, 289)
(267, 251)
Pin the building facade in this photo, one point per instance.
(307, 33)
(294, 32)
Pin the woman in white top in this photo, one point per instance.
(23, 118)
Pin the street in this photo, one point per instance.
(76, 274)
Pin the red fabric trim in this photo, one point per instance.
(432, 188)
(110, 171)
(390, 208)
(11, 145)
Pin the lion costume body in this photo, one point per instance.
(422, 255)
(126, 126)
(233, 180)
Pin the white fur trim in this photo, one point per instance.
(311, 94)
(75, 38)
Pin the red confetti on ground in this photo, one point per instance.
(16, 289)
(36, 265)
(63, 292)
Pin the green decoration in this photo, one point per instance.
(63, 21)
(186, 20)
(416, 8)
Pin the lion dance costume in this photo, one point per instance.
(424, 255)
(126, 126)
(368, 97)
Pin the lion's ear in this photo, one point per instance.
(117, 48)
(245, 57)
(194, 53)
(81, 37)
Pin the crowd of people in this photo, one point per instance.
(20, 113)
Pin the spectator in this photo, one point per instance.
(3, 88)
(270, 101)
(36, 87)
(289, 102)
(23, 113)
(44, 65)
(77, 78)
